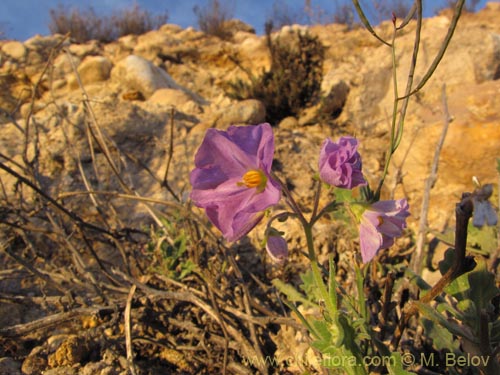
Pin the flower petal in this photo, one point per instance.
(255, 140)
(380, 223)
(370, 240)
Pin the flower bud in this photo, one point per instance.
(340, 163)
(277, 247)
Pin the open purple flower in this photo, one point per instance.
(340, 163)
(380, 224)
(231, 179)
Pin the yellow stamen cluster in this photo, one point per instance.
(254, 179)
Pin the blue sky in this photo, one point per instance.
(21, 19)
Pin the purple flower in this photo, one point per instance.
(340, 163)
(231, 179)
(277, 248)
(484, 213)
(380, 224)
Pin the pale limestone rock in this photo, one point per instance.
(140, 74)
(39, 42)
(235, 25)
(81, 50)
(63, 65)
(176, 98)
(15, 50)
(289, 122)
(170, 28)
(128, 41)
(150, 44)
(94, 69)
(246, 112)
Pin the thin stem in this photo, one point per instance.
(316, 200)
(318, 279)
(290, 201)
(411, 75)
(366, 23)
(444, 46)
(394, 117)
(397, 132)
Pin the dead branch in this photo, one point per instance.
(429, 184)
(55, 320)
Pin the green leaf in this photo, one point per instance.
(321, 327)
(447, 262)
(441, 337)
(459, 288)
(291, 293)
(482, 240)
(455, 328)
(309, 286)
(395, 365)
(332, 284)
(482, 286)
(187, 267)
(343, 195)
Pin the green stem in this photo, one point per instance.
(366, 23)
(394, 118)
(318, 279)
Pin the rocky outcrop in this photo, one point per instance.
(132, 85)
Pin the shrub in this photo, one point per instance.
(293, 81)
(282, 14)
(385, 8)
(345, 15)
(212, 19)
(84, 25)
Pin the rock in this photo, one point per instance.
(151, 44)
(82, 50)
(170, 28)
(235, 25)
(177, 98)
(72, 351)
(250, 111)
(45, 43)
(333, 104)
(94, 69)
(289, 122)
(100, 368)
(63, 65)
(9, 366)
(14, 49)
(35, 363)
(63, 370)
(137, 73)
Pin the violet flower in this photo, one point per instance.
(231, 179)
(380, 223)
(340, 163)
